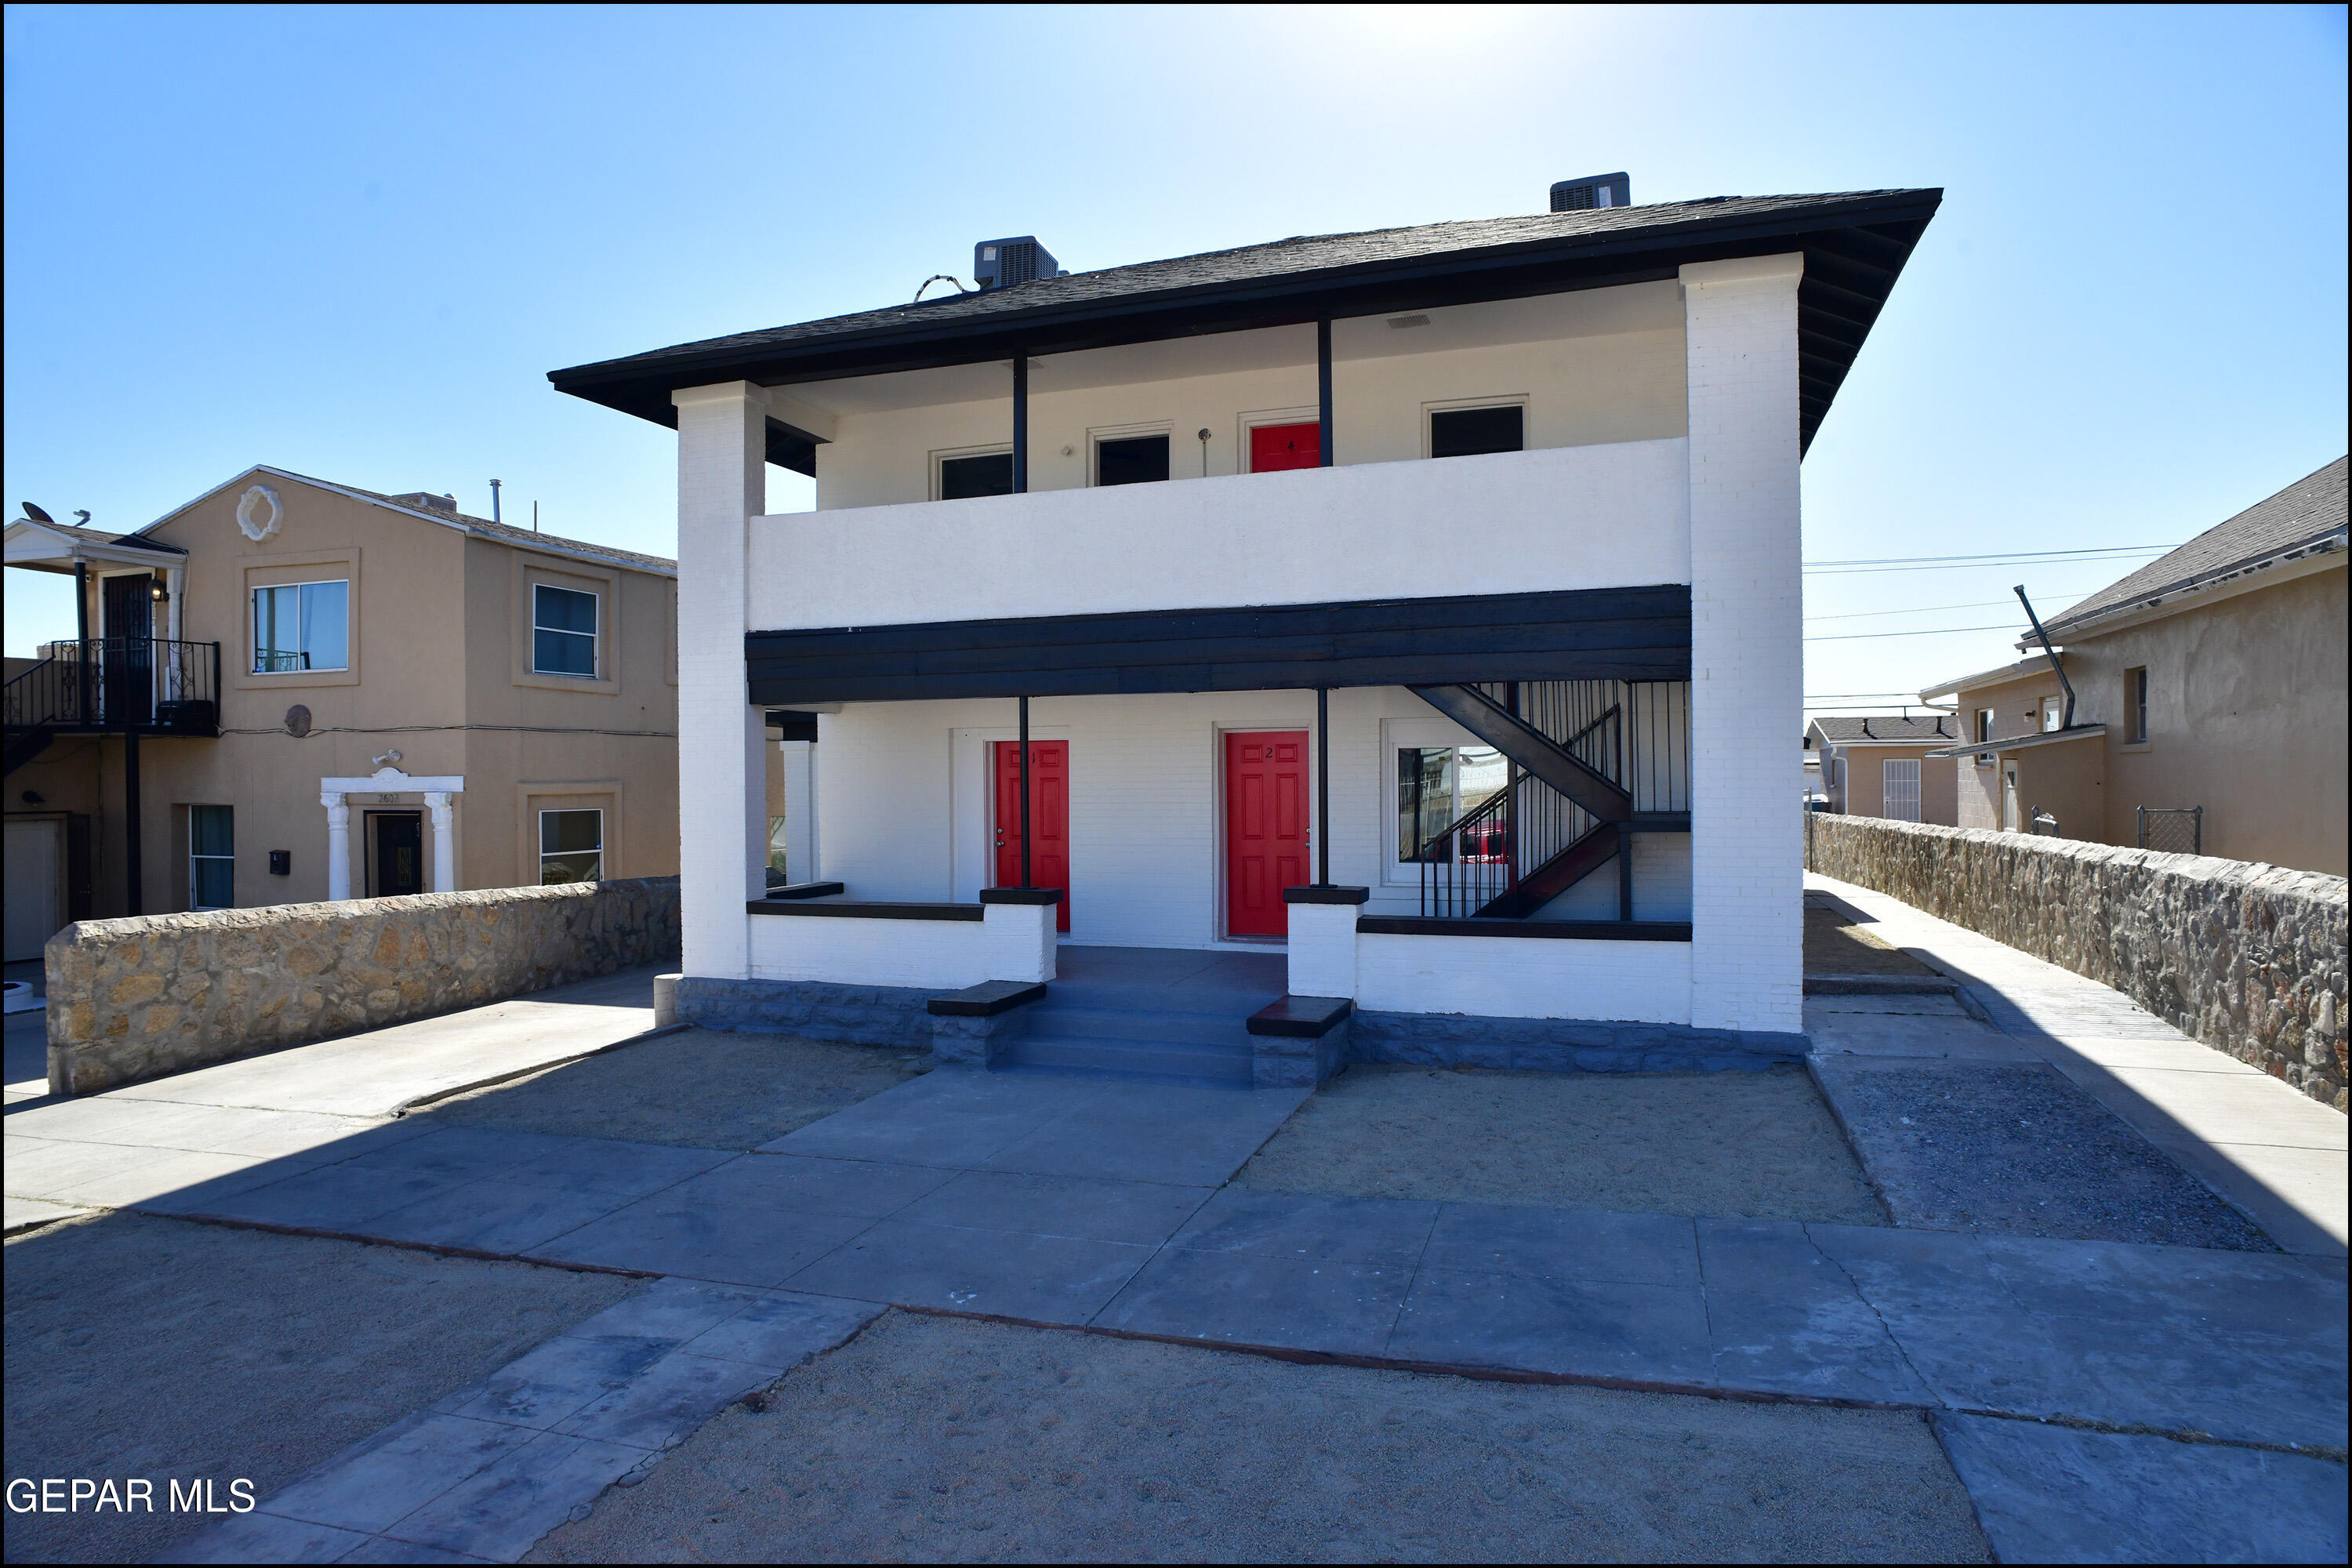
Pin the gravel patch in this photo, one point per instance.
(2022, 1152)
(1758, 1145)
(158, 1348)
(707, 1089)
(1836, 945)
(947, 1439)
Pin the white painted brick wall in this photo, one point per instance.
(1323, 950)
(722, 777)
(1747, 652)
(1500, 977)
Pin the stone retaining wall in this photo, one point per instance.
(132, 999)
(2248, 958)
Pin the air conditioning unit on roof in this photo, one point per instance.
(1001, 263)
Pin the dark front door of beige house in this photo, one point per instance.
(396, 853)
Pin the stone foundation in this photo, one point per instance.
(813, 1009)
(2246, 957)
(135, 998)
(1562, 1045)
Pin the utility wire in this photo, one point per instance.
(1927, 609)
(1996, 559)
(421, 729)
(1923, 632)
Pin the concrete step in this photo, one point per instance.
(1059, 1020)
(1213, 1061)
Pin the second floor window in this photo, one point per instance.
(1467, 432)
(1984, 724)
(1130, 460)
(302, 625)
(562, 631)
(2053, 714)
(981, 474)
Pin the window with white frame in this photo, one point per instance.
(1984, 725)
(571, 845)
(1437, 786)
(302, 625)
(562, 631)
(212, 857)
(2053, 714)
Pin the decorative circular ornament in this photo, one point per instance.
(259, 512)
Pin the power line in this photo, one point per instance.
(1925, 632)
(1991, 561)
(1927, 609)
(1989, 566)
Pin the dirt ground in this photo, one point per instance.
(141, 1346)
(704, 1087)
(947, 1439)
(1835, 945)
(1755, 1145)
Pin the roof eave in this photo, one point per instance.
(640, 383)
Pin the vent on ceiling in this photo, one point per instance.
(1592, 191)
(1001, 263)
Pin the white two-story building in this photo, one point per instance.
(1399, 612)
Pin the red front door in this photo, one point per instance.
(1275, 446)
(1265, 828)
(1049, 818)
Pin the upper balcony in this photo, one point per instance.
(1566, 518)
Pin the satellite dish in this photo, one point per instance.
(37, 514)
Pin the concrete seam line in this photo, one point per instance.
(1885, 1327)
(1853, 1144)
(439, 1095)
(2188, 1436)
(1399, 1364)
(443, 1249)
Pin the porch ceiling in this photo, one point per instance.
(1621, 634)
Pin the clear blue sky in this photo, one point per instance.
(351, 242)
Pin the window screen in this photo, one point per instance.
(1131, 460)
(570, 846)
(1466, 432)
(302, 625)
(562, 631)
(990, 474)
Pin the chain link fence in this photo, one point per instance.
(2173, 829)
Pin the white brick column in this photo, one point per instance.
(1747, 643)
(722, 777)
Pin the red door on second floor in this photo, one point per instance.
(1276, 447)
(1265, 828)
(1049, 818)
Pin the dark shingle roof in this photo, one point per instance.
(2303, 514)
(1854, 244)
(508, 533)
(1886, 729)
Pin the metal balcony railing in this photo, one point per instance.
(113, 684)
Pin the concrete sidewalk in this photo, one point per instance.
(2278, 1155)
(1103, 1205)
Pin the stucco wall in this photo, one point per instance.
(2248, 958)
(2246, 718)
(437, 648)
(132, 999)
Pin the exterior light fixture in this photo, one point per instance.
(157, 591)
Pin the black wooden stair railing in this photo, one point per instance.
(1552, 826)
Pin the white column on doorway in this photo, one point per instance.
(444, 840)
(1747, 649)
(338, 844)
(722, 769)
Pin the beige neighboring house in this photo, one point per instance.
(2209, 692)
(290, 690)
(1876, 765)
